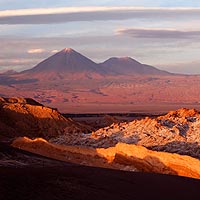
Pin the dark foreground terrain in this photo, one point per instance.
(28, 176)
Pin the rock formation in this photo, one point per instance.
(122, 156)
(26, 117)
(177, 131)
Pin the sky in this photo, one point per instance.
(162, 33)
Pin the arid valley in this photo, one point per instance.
(99, 100)
(101, 128)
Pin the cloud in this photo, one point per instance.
(55, 51)
(158, 33)
(36, 51)
(70, 14)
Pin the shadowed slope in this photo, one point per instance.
(42, 178)
(79, 182)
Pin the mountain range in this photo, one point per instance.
(74, 83)
(68, 62)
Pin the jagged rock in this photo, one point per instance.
(177, 127)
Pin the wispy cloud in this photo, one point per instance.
(70, 14)
(158, 33)
(62, 10)
(55, 51)
(32, 51)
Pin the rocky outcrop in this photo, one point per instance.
(26, 117)
(73, 154)
(152, 161)
(122, 156)
(176, 132)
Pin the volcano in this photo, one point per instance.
(69, 64)
(65, 64)
(129, 66)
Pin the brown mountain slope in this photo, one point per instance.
(26, 117)
(122, 156)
